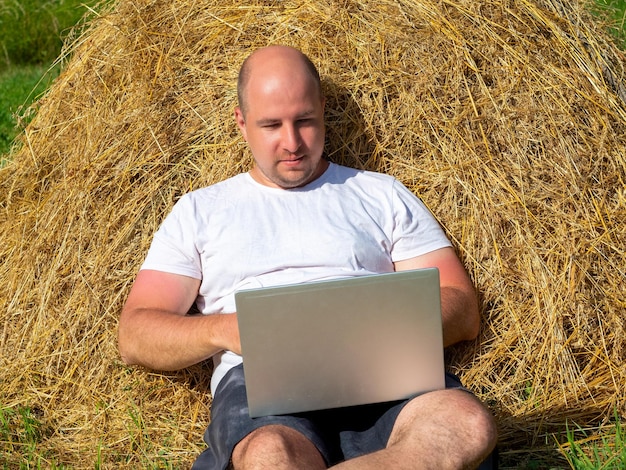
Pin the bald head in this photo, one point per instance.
(272, 60)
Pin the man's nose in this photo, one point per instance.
(291, 138)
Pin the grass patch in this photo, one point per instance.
(614, 11)
(24, 444)
(593, 450)
(21, 433)
(33, 31)
(19, 87)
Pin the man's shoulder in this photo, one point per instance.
(218, 189)
(360, 176)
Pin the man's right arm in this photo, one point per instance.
(156, 332)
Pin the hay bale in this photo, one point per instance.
(507, 118)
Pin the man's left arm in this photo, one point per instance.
(459, 304)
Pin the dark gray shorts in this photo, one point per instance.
(339, 434)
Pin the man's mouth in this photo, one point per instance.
(292, 160)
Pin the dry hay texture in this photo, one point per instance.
(506, 116)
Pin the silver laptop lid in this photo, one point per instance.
(341, 342)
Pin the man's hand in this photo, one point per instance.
(230, 332)
(156, 332)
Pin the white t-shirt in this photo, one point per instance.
(240, 234)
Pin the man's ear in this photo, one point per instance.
(241, 122)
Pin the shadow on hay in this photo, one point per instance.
(346, 128)
(531, 440)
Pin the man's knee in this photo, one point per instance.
(445, 420)
(474, 422)
(268, 438)
(481, 427)
(276, 446)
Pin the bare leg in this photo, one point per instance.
(447, 429)
(277, 447)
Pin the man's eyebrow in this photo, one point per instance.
(306, 114)
(266, 121)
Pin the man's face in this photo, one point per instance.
(284, 127)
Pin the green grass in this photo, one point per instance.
(21, 434)
(32, 31)
(31, 37)
(24, 435)
(19, 87)
(615, 12)
(23, 445)
(587, 450)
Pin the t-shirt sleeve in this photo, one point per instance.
(416, 231)
(173, 249)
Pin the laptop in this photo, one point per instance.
(341, 342)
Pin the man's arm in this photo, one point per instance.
(156, 332)
(459, 305)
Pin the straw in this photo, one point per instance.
(507, 118)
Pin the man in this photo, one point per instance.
(295, 217)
